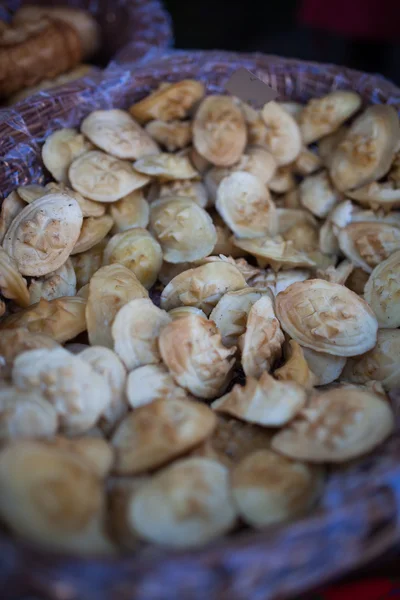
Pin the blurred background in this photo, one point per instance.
(361, 34)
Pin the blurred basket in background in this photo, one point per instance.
(358, 518)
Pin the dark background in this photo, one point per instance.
(272, 27)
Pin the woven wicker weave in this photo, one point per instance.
(360, 511)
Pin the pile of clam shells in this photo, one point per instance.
(182, 246)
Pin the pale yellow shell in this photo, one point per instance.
(184, 230)
(379, 364)
(265, 402)
(110, 288)
(61, 319)
(192, 349)
(54, 285)
(337, 426)
(135, 332)
(202, 286)
(158, 432)
(219, 131)
(185, 505)
(60, 149)
(99, 176)
(327, 317)
(137, 250)
(77, 392)
(114, 131)
(323, 116)
(170, 101)
(244, 203)
(43, 234)
(94, 230)
(263, 498)
(382, 291)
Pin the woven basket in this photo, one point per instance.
(358, 518)
(130, 28)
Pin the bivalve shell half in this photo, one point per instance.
(219, 131)
(327, 317)
(43, 234)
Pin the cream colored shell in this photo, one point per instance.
(89, 208)
(184, 506)
(43, 234)
(382, 291)
(152, 382)
(25, 414)
(137, 250)
(170, 101)
(60, 149)
(367, 244)
(231, 312)
(283, 180)
(166, 167)
(261, 342)
(9, 209)
(232, 440)
(202, 286)
(107, 364)
(116, 132)
(110, 288)
(293, 108)
(291, 217)
(379, 364)
(377, 195)
(327, 317)
(99, 176)
(307, 162)
(156, 433)
(326, 367)
(94, 230)
(328, 144)
(61, 319)
(94, 450)
(277, 281)
(283, 138)
(54, 285)
(323, 116)
(31, 192)
(275, 252)
(135, 332)
(366, 151)
(131, 211)
(268, 488)
(256, 160)
(12, 284)
(338, 274)
(195, 356)
(15, 341)
(184, 230)
(256, 128)
(318, 195)
(265, 402)
(87, 263)
(337, 426)
(184, 311)
(52, 498)
(174, 135)
(244, 203)
(219, 131)
(296, 367)
(195, 190)
(74, 388)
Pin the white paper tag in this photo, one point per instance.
(249, 88)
